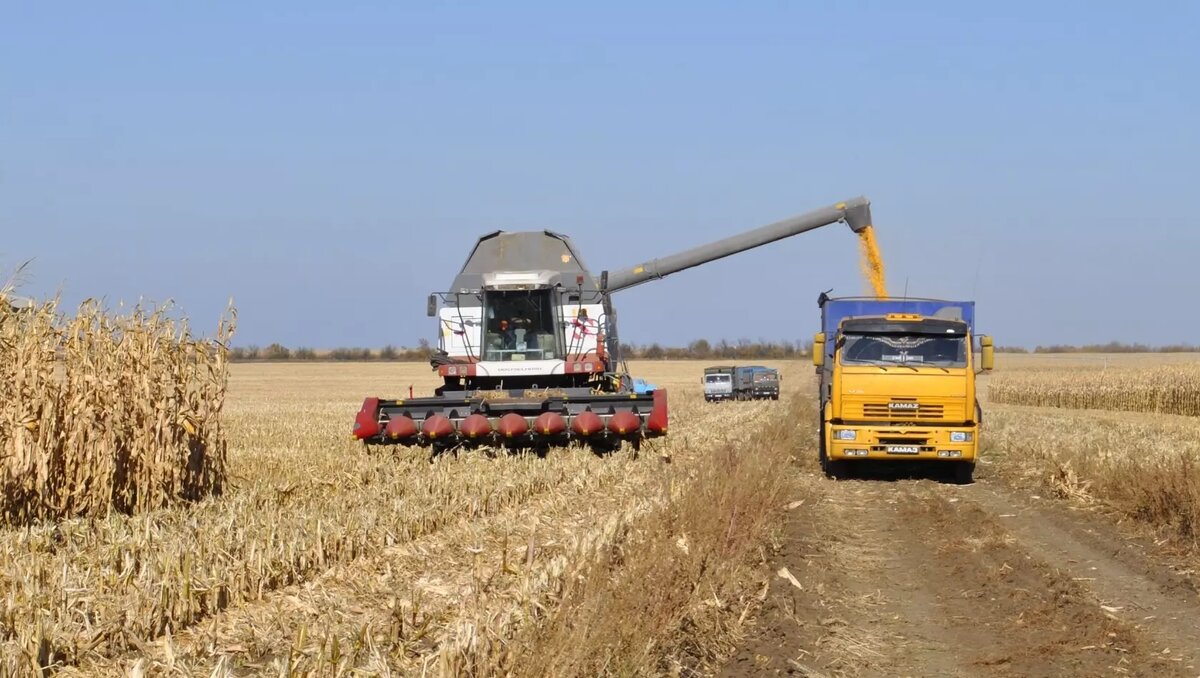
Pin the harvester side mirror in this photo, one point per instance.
(431, 306)
(987, 354)
(818, 356)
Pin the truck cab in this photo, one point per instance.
(718, 383)
(764, 384)
(897, 382)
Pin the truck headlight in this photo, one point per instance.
(960, 436)
(847, 434)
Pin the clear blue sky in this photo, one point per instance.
(329, 164)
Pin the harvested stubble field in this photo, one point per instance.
(1120, 431)
(323, 558)
(1073, 554)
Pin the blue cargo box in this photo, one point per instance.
(833, 311)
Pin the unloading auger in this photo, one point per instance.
(528, 348)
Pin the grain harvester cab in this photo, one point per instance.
(524, 312)
(528, 349)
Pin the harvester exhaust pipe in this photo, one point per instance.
(856, 213)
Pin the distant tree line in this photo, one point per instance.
(1117, 347)
(1011, 349)
(279, 352)
(1110, 347)
(701, 349)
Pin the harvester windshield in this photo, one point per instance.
(521, 325)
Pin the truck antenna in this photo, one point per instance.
(978, 265)
(905, 296)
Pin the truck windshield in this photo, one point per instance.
(914, 350)
(716, 379)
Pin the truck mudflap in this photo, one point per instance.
(524, 420)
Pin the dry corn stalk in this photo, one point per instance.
(102, 412)
(1163, 389)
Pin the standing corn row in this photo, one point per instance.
(1164, 389)
(104, 412)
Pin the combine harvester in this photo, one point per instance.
(529, 351)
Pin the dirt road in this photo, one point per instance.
(916, 577)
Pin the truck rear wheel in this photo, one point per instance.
(821, 444)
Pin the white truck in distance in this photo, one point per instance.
(718, 383)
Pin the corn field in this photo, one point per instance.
(1161, 389)
(105, 413)
(322, 558)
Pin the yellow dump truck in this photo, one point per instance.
(897, 383)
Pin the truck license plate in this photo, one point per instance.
(903, 449)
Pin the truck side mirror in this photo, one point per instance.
(987, 357)
(818, 356)
(431, 306)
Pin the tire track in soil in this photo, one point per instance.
(1119, 573)
(919, 578)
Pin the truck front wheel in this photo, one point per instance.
(837, 469)
(832, 468)
(964, 472)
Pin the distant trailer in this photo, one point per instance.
(741, 382)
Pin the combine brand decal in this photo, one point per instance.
(519, 368)
(584, 326)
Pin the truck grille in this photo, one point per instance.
(905, 409)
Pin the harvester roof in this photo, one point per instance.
(550, 256)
